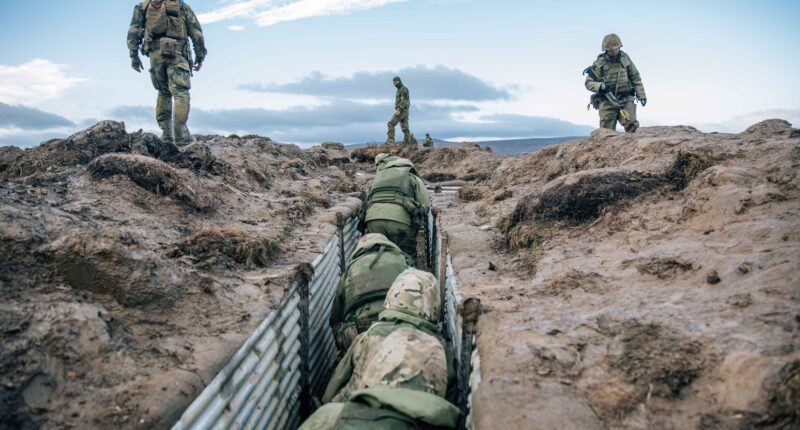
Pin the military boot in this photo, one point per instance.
(182, 135)
(166, 130)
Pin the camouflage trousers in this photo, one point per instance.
(171, 78)
(609, 115)
(402, 118)
(404, 236)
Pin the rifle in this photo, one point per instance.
(593, 100)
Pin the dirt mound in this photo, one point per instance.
(673, 303)
(136, 268)
(583, 196)
(114, 262)
(152, 175)
(211, 247)
(470, 194)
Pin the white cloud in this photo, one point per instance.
(270, 12)
(35, 81)
(236, 27)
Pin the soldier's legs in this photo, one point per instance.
(391, 125)
(404, 236)
(629, 121)
(160, 79)
(179, 85)
(404, 127)
(608, 117)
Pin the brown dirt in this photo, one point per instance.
(599, 313)
(130, 271)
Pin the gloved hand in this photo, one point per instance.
(397, 111)
(602, 87)
(644, 102)
(198, 63)
(136, 64)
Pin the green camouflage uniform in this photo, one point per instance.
(428, 143)
(402, 104)
(169, 72)
(397, 203)
(359, 298)
(622, 79)
(383, 408)
(404, 349)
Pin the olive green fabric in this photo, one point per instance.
(359, 298)
(382, 408)
(404, 235)
(411, 304)
(402, 105)
(170, 61)
(609, 115)
(622, 79)
(400, 197)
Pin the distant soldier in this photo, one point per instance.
(375, 264)
(402, 104)
(406, 338)
(428, 143)
(613, 76)
(162, 29)
(397, 202)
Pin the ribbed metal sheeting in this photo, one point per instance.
(322, 289)
(260, 388)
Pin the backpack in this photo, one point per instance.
(163, 18)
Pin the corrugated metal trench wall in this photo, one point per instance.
(271, 380)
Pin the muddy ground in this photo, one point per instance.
(628, 281)
(130, 271)
(637, 281)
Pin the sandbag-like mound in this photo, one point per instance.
(151, 174)
(212, 247)
(114, 262)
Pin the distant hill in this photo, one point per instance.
(513, 147)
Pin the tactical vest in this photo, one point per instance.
(164, 18)
(395, 185)
(364, 284)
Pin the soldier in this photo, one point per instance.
(402, 104)
(162, 29)
(428, 143)
(397, 202)
(419, 354)
(359, 298)
(618, 76)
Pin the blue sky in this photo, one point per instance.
(307, 71)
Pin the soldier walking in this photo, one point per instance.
(615, 74)
(162, 29)
(402, 104)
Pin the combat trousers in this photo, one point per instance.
(171, 78)
(403, 235)
(402, 118)
(609, 115)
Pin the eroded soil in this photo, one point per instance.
(637, 281)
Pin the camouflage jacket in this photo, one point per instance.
(136, 31)
(402, 101)
(352, 371)
(620, 74)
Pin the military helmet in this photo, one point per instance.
(407, 358)
(369, 237)
(415, 292)
(611, 41)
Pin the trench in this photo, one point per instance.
(274, 379)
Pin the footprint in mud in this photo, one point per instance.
(664, 268)
(589, 282)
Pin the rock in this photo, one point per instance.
(712, 277)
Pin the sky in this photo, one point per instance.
(311, 71)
